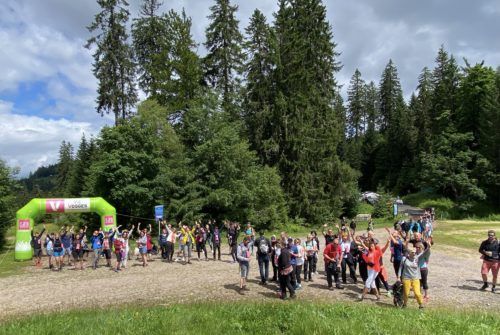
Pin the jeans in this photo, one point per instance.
(216, 249)
(308, 267)
(298, 272)
(263, 267)
(95, 260)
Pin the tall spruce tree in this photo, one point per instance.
(479, 114)
(395, 128)
(225, 57)
(259, 93)
(372, 138)
(149, 41)
(356, 120)
(445, 81)
(180, 81)
(315, 179)
(64, 167)
(113, 60)
(422, 111)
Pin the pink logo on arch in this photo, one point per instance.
(54, 206)
(109, 220)
(24, 224)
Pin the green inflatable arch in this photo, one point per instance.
(26, 216)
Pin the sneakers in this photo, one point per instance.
(298, 287)
(389, 294)
(484, 287)
(360, 297)
(421, 307)
(339, 286)
(493, 289)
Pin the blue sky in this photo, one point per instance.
(47, 91)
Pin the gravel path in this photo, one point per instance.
(454, 279)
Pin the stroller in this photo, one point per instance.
(397, 291)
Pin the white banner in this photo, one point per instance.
(77, 205)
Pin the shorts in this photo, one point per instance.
(77, 254)
(244, 270)
(490, 265)
(67, 251)
(50, 252)
(143, 250)
(59, 253)
(107, 253)
(38, 252)
(119, 256)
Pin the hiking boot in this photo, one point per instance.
(339, 286)
(484, 287)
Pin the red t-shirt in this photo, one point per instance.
(332, 251)
(374, 258)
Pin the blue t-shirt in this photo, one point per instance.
(96, 242)
(295, 250)
(66, 240)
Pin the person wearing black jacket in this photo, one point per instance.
(489, 250)
(263, 246)
(36, 243)
(215, 237)
(285, 269)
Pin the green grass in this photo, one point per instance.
(256, 318)
(463, 233)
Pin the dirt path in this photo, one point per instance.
(453, 278)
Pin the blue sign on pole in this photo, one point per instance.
(159, 212)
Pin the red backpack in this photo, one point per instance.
(118, 244)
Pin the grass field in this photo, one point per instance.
(464, 233)
(256, 318)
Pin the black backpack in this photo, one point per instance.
(397, 291)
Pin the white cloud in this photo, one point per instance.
(29, 142)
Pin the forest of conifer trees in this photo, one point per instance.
(257, 128)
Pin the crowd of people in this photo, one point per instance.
(344, 252)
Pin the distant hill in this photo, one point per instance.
(41, 182)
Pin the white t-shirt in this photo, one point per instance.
(300, 259)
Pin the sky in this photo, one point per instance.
(48, 91)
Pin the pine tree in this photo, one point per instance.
(445, 81)
(260, 93)
(395, 128)
(372, 138)
(356, 119)
(479, 114)
(179, 83)
(113, 60)
(224, 59)
(315, 179)
(422, 110)
(80, 167)
(64, 166)
(149, 41)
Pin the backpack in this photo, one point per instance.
(118, 244)
(263, 246)
(397, 291)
